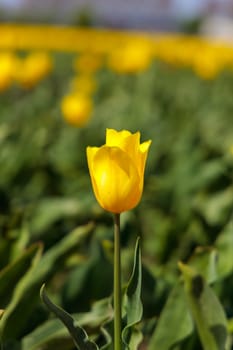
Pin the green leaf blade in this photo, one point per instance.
(132, 303)
(77, 333)
(206, 310)
(175, 323)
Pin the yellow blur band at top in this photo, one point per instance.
(207, 57)
(75, 39)
(61, 38)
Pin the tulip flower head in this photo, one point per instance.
(117, 170)
(33, 68)
(76, 109)
(132, 58)
(7, 67)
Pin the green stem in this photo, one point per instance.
(117, 284)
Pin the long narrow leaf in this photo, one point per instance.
(175, 323)
(132, 303)
(10, 317)
(12, 273)
(27, 288)
(53, 331)
(206, 310)
(77, 333)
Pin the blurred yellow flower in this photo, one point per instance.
(7, 68)
(33, 68)
(76, 109)
(117, 170)
(206, 63)
(132, 58)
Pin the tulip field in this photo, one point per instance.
(87, 117)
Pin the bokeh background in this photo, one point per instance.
(69, 70)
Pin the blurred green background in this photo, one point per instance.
(46, 195)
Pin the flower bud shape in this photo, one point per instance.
(33, 68)
(76, 109)
(7, 67)
(117, 170)
(132, 58)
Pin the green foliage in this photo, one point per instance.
(207, 311)
(54, 232)
(133, 308)
(131, 336)
(53, 332)
(77, 333)
(175, 323)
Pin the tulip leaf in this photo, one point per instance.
(78, 334)
(47, 335)
(206, 310)
(41, 269)
(107, 338)
(175, 323)
(205, 260)
(50, 209)
(224, 245)
(132, 304)
(19, 301)
(53, 332)
(11, 274)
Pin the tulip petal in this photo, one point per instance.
(123, 139)
(91, 151)
(115, 138)
(115, 180)
(144, 148)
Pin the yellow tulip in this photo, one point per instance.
(33, 68)
(117, 170)
(7, 66)
(132, 58)
(77, 109)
